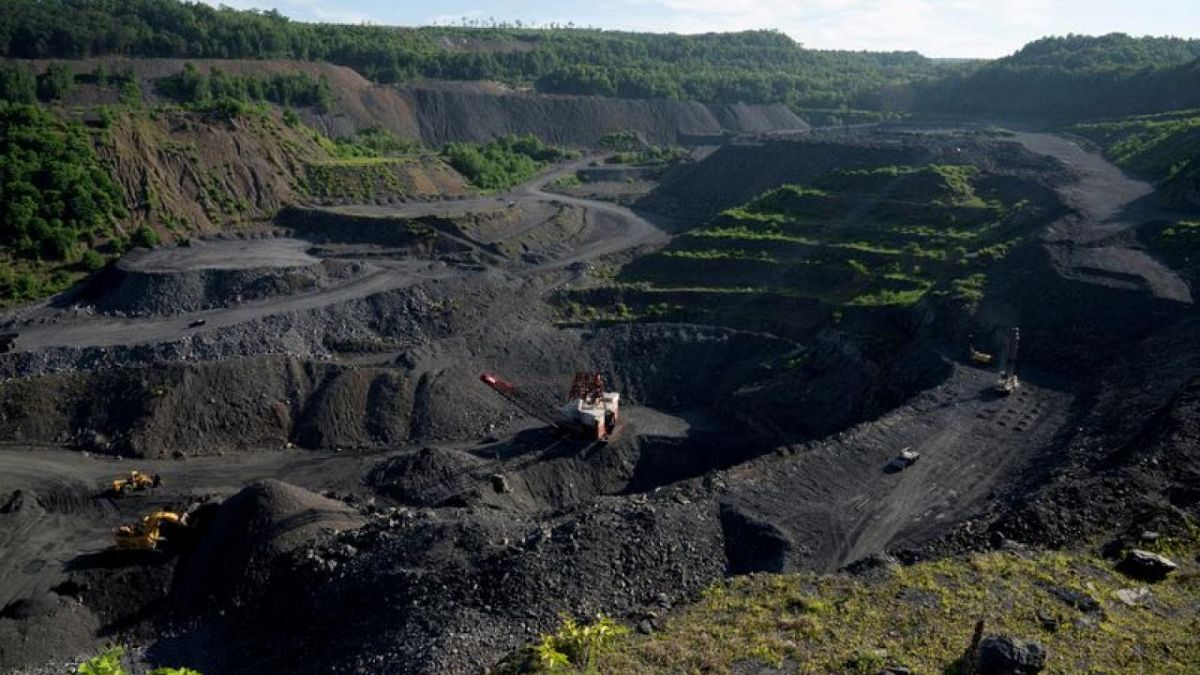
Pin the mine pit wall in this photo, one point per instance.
(463, 112)
(1071, 327)
(193, 410)
(636, 460)
(438, 112)
(735, 174)
(427, 391)
(416, 235)
(132, 293)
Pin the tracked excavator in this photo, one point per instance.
(1008, 382)
(149, 534)
(590, 412)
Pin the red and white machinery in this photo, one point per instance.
(590, 412)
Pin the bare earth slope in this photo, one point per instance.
(438, 112)
(451, 112)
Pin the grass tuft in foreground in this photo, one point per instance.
(922, 617)
(109, 663)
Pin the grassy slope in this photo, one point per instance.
(924, 229)
(1156, 147)
(923, 617)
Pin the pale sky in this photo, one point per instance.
(940, 28)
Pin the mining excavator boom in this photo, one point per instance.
(530, 405)
(590, 412)
(1008, 382)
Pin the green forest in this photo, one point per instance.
(56, 199)
(750, 67)
(1073, 78)
(1070, 77)
(289, 89)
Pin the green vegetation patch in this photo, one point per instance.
(882, 236)
(564, 182)
(720, 254)
(374, 142)
(1074, 77)
(109, 663)
(203, 89)
(629, 148)
(1156, 147)
(358, 178)
(749, 67)
(923, 617)
(57, 202)
(574, 647)
(1183, 231)
(1178, 244)
(504, 162)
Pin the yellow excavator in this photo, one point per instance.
(981, 358)
(136, 481)
(148, 534)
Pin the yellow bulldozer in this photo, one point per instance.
(136, 481)
(148, 534)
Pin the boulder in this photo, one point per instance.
(1146, 566)
(500, 484)
(1003, 655)
(1134, 597)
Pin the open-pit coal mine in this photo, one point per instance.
(373, 432)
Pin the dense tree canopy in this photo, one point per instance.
(1115, 50)
(1075, 77)
(54, 194)
(752, 67)
(1059, 77)
(289, 89)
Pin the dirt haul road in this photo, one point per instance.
(1094, 244)
(617, 229)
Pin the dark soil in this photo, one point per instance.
(360, 501)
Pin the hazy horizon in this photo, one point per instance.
(936, 28)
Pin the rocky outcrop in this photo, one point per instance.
(1146, 565)
(1003, 655)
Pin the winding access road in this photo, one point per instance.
(622, 229)
(629, 230)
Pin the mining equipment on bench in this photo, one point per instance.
(590, 412)
(1008, 382)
